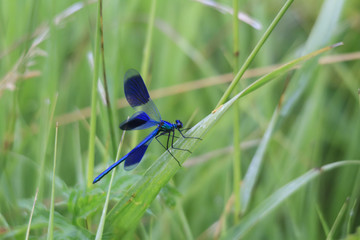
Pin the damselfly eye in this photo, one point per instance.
(179, 124)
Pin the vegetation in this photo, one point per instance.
(275, 100)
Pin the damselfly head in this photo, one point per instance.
(179, 124)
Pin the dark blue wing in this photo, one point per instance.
(138, 96)
(140, 120)
(133, 158)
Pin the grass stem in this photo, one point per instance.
(91, 156)
(252, 55)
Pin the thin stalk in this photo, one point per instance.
(337, 220)
(100, 229)
(359, 96)
(351, 217)
(235, 35)
(31, 215)
(236, 164)
(50, 234)
(146, 54)
(91, 157)
(237, 153)
(44, 141)
(254, 52)
(107, 98)
(322, 220)
(184, 222)
(143, 231)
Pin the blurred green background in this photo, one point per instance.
(46, 71)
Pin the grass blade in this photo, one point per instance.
(236, 144)
(322, 220)
(254, 52)
(146, 55)
(321, 34)
(337, 220)
(100, 229)
(91, 157)
(50, 234)
(184, 222)
(107, 97)
(31, 215)
(278, 197)
(255, 165)
(313, 41)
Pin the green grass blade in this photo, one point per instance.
(145, 66)
(3, 222)
(31, 215)
(254, 168)
(322, 220)
(265, 79)
(100, 229)
(106, 85)
(184, 222)
(255, 165)
(46, 122)
(337, 220)
(254, 52)
(236, 112)
(146, 55)
(277, 198)
(321, 34)
(351, 217)
(50, 234)
(91, 157)
(128, 211)
(237, 164)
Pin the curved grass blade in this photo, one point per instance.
(256, 162)
(128, 211)
(278, 197)
(254, 52)
(336, 224)
(329, 17)
(297, 86)
(321, 33)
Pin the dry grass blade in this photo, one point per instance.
(226, 9)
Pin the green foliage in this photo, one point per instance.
(292, 131)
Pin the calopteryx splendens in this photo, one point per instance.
(147, 115)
